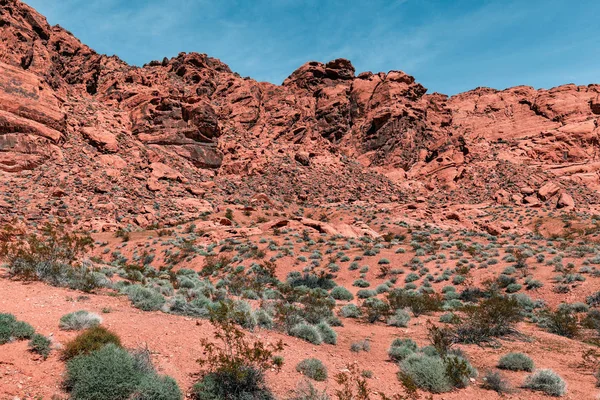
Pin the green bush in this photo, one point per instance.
(328, 335)
(306, 391)
(143, 298)
(112, 373)
(350, 311)
(313, 369)
(402, 348)
(427, 372)
(243, 315)
(263, 319)
(375, 309)
(361, 345)
(547, 381)
(341, 293)
(400, 319)
(90, 340)
(153, 387)
(496, 382)
(306, 332)
(516, 362)
(459, 371)
(79, 320)
(246, 383)
(560, 322)
(107, 373)
(40, 344)
(11, 329)
(494, 317)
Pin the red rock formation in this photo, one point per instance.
(325, 134)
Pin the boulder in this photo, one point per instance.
(548, 190)
(565, 201)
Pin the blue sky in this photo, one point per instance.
(449, 45)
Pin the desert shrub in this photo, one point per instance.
(107, 373)
(241, 313)
(144, 298)
(313, 369)
(516, 362)
(450, 318)
(350, 311)
(318, 305)
(361, 283)
(361, 345)
(400, 319)
(90, 340)
(327, 333)
(593, 300)
(513, 288)
(375, 308)
(401, 348)
(248, 382)
(113, 373)
(306, 391)
(311, 280)
(418, 303)
(234, 370)
(459, 371)
(496, 382)
(306, 332)
(560, 322)
(494, 317)
(79, 320)
(366, 293)
(40, 344)
(427, 372)
(153, 387)
(12, 329)
(547, 381)
(48, 256)
(263, 319)
(341, 293)
(441, 338)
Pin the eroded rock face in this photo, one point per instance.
(325, 134)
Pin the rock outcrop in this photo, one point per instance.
(99, 127)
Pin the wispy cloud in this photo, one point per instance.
(448, 45)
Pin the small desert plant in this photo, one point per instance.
(49, 256)
(494, 317)
(112, 373)
(234, 370)
(496, 382)
(516, 362)
(375, 309)
(361, 345)
(341, 293)
(306, 391)
(560, 322)
(156, 387)
(306, 332)
(547, 381)
(313, 369)
(79, 320)
(400, 319)
(40, 344)
(90, 340)
(427, 372)
(12, 329)
(402, 348)
(350, 311)
(144, 298)
(327, 333)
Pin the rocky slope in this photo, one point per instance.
(86, 136)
